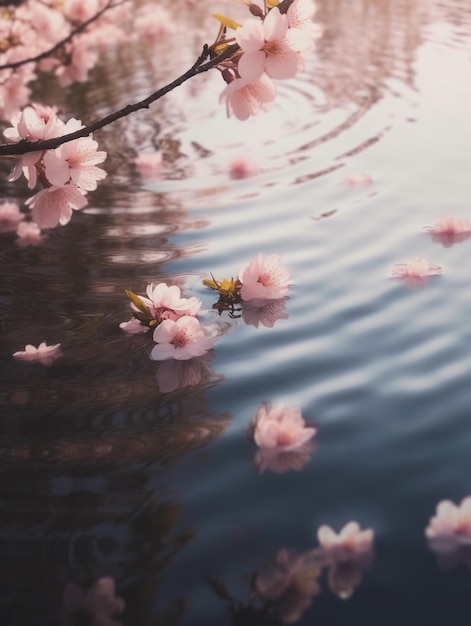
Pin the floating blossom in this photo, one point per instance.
(280, 428)
(267, 48)
(290, 582)
(167, 302)
(241, 166)
(418, 267)
(10, 216)
(29, 234)
(54, 205)
(244, 98)
(181, 339)
(358, 180)
(264, 278)
(43, 354)
(347, 553)
(350, 543)
(449, 230)
(449, 532)
(97, 606)
(149, 164)
(134, 327)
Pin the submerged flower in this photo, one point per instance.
(181, 339)
(43, 354)
(29, 234)
(244, 98)
(357, 180)
(149, 164)
(418, 267)
(280, 428)
(290, 582)
(10, 216)
(264, 278)
(241, 166)
(97, 606)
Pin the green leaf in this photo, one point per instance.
(137, 302)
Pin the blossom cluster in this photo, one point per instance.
(66, 173)
(173, 320)
(271, 47)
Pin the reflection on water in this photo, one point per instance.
(129, 488)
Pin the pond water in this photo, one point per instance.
(113, 465)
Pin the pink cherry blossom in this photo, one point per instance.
(154, 22)
(10, 216)
(75, 161)
(358, 180)
(80, 11)
(134, 327)
(241, 166)
(266, 48)
(31, 126)
(98, 605)
(450, 528)
(244, 98)
(29, 234)
(280, 428)
(290, 582)
(43, 354)
(450, 230)
(181, 339)
(350, 543)
(54, 205)
(149, 164)
(418, 267)
(264, 278)
(167, 302)
(300, 14)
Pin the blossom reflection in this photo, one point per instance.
(97, 606)
(264, 312)
(173, 374)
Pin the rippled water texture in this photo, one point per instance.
(109, 467)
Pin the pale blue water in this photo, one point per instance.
(102, 474)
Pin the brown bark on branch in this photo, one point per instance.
(201, 65)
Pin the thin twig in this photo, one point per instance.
(201, 65)
(59, 44)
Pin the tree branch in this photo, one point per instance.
(201, 65)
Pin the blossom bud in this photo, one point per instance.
(256, 10)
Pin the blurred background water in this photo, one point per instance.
(107, 470)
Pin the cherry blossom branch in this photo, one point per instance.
(43, 55)
(200, 66)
